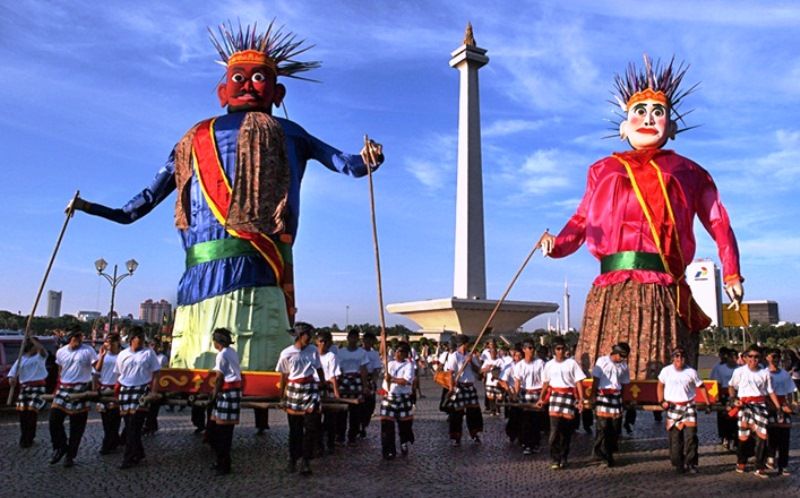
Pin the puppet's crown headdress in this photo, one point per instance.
(660, 82)
(274, 48)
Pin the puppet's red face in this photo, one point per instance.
(250, 87)
(648, 125)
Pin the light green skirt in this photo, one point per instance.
(256, 317)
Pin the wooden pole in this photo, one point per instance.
(370, 163)
(70, 212)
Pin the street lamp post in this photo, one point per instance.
(346, 317)
(114, 281)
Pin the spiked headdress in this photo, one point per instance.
(660, 82)
(274, 48)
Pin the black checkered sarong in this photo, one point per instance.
(30, 397)
(104, 406)
(130, 398)
(681, 415)
(227, 407)
(465, 396)
(608, 405)
(62, 401)
(494, 392)
(397, 406)
(753, 418)
(302, 397)
(529, 396)
(562, 405)
(350, 386)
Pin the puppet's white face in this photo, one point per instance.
(648, 125)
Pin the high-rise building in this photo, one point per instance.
(53, 304)
(704, 279)
(154, 312)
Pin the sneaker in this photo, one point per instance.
(527, 451)
(693, 469)
(404, 449)
(455, 442)
(476, 439)
(761, 474)
(783, 472)
(740, 468)
(535, 449)
(389, 456)
(770, 464)
(305, 468)
(563, 464)
(555, 466)
(69, 462)
(628, 428)
(362, 434)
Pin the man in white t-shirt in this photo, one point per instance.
(780, 423)
(300, 395)
(227, 396)
(354, 385)
(677, 390)
(106, 377)
(136, 367)
(30, 372)
(722, 373)
(396, 406)
(561, 388)
(749, 388)
(528, 382)
(463, 397)
(74, 361)
(330, 389)
(374, 368)
(609, 375)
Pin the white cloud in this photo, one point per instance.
(505, 127)
(434, 162)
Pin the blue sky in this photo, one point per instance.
(95, 95)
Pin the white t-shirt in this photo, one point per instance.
(782, 382)
(299, 363)
(722, 373)
(454, 362)
(679, 386)
(530, 374)
(136, 368)
(33, 368)
(611, 375)
(108, 373)
(76, 365)
(163, 359)
(375, 364)
(330, 366)
(400, 370)
(562, 374)
(749, 384)
(507, 373)
(489, 367)
(351, 361)
(227, 364)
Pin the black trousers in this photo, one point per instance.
(199, 417)
(587, 417)
(27, 427)
(530, 425)
(327, 434)
(221, 440)
(561, 430)
(368, 410)
(455, 420)
(630, 416)
(354, 414)
(607, 436)
(151, 420)
(134, 450)
(779, 438)
(77, 425)
(683, 446)
(754, 446)
(303, 435)
(111, 423)
(405, 428)
(513, 423)
(261, 418)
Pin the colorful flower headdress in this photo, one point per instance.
(274, 48)
(660, 82)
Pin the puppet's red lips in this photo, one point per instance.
(246, 97)
(648, 131)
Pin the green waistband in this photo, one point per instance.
(631, 260)
(218, 249)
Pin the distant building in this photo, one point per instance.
(751, 312)
(154, 312)
(88, 316)
(53, 304)
(704, 279)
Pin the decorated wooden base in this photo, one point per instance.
(645, 392)
(187, 381)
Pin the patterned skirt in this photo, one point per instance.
(62, 401)
(608, 405)
(227, 407)
(30, 397)
(562, 404)
(130, 398)
(753, 419)
(465, 396)
(302, 398)
(644, 316)
(397, 407)
(680, 416)
(350, 386)
(104, 406)
(494, 392)
(529, 396)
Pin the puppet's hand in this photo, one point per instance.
(372, 156)
(735, 292)
(76, 204)
(547, 242)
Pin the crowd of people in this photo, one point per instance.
(329, 393)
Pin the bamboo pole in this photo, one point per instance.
(70, 212)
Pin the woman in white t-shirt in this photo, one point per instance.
(328, 389)
(227, 398)
(30, 372)
(106, 377)
(396, 406)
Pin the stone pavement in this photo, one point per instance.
(177, 464)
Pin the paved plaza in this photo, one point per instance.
(177, 465)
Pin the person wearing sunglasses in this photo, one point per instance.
(609, 375)
(677, 390)
(780, 423)
(749, 388)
